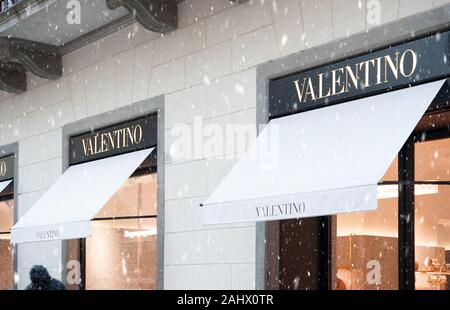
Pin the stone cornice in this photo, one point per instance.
(155, 15)
(18, 56)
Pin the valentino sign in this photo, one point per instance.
(395, 67)
(3, 168)
(284, 209)
(6, 168)
(114, 139)
(117, 139)
(384, 69)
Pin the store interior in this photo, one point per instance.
(121, 252)
(369, 240)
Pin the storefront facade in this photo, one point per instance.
(136, 210)
(384, 249)
(214, 70)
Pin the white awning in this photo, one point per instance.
(66, 209)
(321, 162)
(4, 184)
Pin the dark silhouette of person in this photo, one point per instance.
(42, 281)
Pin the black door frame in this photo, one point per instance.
(406, 216)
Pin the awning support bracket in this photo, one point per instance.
(154, 15)
(17, 56)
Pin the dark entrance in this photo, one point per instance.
(299, 258)
(304, 254)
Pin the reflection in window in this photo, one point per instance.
(121, 252)
(6, 255)
(367, 242)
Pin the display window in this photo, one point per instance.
(121, 252)
(432, 211)
(366, 243)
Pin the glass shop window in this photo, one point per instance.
(366, 243)
(6, 251)
(121, 254)
(432, 215)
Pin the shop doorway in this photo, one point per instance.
(299, 255)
